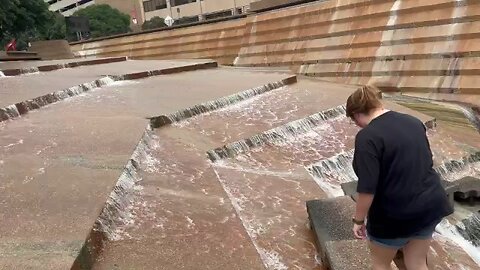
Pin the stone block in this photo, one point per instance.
(330, 220)
(350, 189)
(466, 188)
(348, 254)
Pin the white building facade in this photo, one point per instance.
(203, 9)
(68, 7)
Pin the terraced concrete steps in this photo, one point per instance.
(20, 108)
(223, 102)
(59, 164)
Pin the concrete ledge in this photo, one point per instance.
(467, 188)
(165, 71)
(279, 133)
(330, 220)
(18, 56)
(162, 120)
(45, 68)
(350, 189)
(52, 49)
(347, 254)
(266, 5)
(20, 108)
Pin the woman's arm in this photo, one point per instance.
(364, 202)
(366, 163)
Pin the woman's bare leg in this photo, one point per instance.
(415, 254)
(382, 257)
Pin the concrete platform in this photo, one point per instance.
(343, 255)
(18, 89)
(54, 189)
(177, 210)
(334, 235)
(23, 67)
(20, 108)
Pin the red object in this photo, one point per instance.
(11, 46)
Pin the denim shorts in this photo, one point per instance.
(399, 243)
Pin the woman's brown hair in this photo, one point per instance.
(363, 100)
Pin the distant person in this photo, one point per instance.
(11, 46)
(397, 185)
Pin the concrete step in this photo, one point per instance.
(19, 99)
(19, 68)
(331, 221)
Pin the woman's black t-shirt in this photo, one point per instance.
(393, 161)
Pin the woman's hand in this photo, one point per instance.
(360, 231)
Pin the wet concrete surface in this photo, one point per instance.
(272, 177)
(24, 67)
(267, 111)
(30, 64)
(20, 88)
(59, 164)
(267, 186)
(181, 216)
(270, 204)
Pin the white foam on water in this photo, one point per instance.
(230, 166)
(13, 144)
(278, 135)
(271, 259)
(2, 75)
(119, 211)
(331, 172)
(29, 71)
(121, 83)
(449, 231)
(222, 102)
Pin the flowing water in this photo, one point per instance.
(267, 159)
(15, 110)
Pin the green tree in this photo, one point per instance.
(58, 28)
(105, 20)
(28, 20)
(153, 23)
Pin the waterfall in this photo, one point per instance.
(469, 228)
(452, 233)
(23, 107)
(29, 70)
(471, 115)
(279, 134)
(116, 211)
(2, 75)
(338, 168)
(449, 170)
(210, 106)
(331, 172)
(8, 112)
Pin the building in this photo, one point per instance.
(68, 7)
(130, 7)
(194, 10)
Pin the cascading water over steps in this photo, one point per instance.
(206, 107)
(276, 135)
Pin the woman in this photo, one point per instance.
(397, 186)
